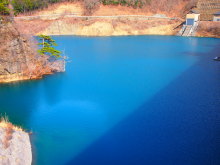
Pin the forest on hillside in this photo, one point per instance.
(4, 10)
(21, 6)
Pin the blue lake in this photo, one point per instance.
(138, 100)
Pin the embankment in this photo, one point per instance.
(105, 21)
(15, 147)
(68, 18)
(98, 26)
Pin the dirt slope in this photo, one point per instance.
(60, 25)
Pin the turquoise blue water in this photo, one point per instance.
(139, 100)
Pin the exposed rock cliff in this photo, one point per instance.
(15, 147)
(19, 60)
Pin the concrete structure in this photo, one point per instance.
(189, 29)
(192, 19)
(206, 10)
(216, 16)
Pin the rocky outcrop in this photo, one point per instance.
(18, 57)
(15, 147)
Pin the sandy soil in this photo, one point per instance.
(95, 26)
(120, 10)
(59, 8)
(98, 27)
(77, 8)
(15, 147)
(61, 25)
(106, 10)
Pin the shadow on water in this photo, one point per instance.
(179, 125)
(18, 110)
(105, 83)
(19, 99)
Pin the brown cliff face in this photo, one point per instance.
(18, 59)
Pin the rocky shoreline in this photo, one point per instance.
(15, 146)
(19, 59)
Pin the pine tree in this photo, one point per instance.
(47, 46)
(4, 10)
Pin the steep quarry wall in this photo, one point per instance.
(18, 58)
(98, 26)
(58, 19)
(61, 19)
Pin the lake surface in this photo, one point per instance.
(139, 100)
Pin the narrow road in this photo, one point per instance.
(74, 15)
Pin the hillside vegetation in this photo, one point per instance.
(21, 6)
(209, 29)
(4, 10)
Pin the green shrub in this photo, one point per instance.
(4, 10)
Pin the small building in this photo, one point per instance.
(216, 16)
(191, 19)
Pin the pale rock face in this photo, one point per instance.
(15, 148)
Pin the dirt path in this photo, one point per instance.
(74, 15)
